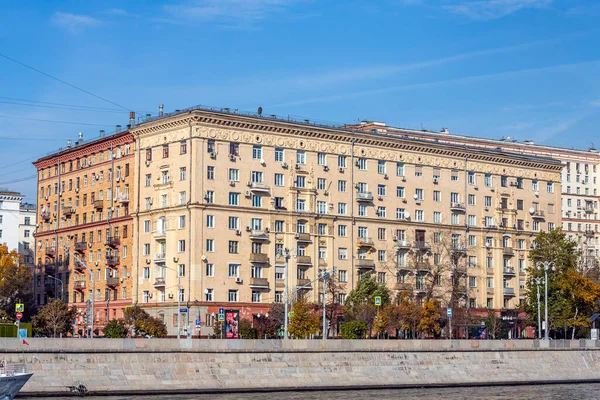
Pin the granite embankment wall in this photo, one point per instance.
(204, 366)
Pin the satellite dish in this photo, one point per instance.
(537, 194)
(531, 210)
(203, 258)
(259, 110)
(416, 197)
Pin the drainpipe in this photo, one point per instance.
(188, 203)
(352, 193)
(137, 218)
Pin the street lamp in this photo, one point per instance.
(538, 282)
(546, 265)
(80, 261)
(175, 260)
(286, 253)
(62, 287)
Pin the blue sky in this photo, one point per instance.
(528, 69)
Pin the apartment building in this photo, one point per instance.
(579, 180)
(17, 224)
(222, 195)
(84, 239)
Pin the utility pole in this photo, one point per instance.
(538, 282)
(546, 265)
(79, 260)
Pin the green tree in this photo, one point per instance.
(247, 331)
(15, 282)
(494, 325)
(360, 303)
(410, 313)
(354, 330)
(304, 321)
(54, 318)
(115, 329)
(572, 296)
(142, 324)
(430, 321)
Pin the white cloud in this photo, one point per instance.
(494, 9)
(233, 13)
(595, 103)
(72, 22)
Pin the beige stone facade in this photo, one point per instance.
(221, 193)
(85, 198)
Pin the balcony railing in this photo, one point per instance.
(123, 198)
(510, 271)
(420, 245)
(160, 258)
(259, 282)
(258, 234)
(45, 215)
(457, 207)
(99, 204)
(259, 258)
(303, 237)
(422, 266)
(78, 265)
(113, 241)
(260, 187)
(80, 246)
(403, 286)
(458, 249)
(365, 263)
(304, 282)
(68, 211)
(159, 281)
(508, 251)
(113, 261)
(160, 233)
(538, 214)
(590, 232)
(303, 260)
(508, 291)
(113, 281)
(402, 245)
(364, 241)
(589, 209)
(364, 196)
(51, 251)
(79, 285)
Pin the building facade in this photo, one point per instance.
(580, 180)
(17, 225)
(84, 238)
(221, 195)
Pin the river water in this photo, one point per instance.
(566, 392)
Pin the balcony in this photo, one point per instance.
(260, 283)
(489, 291)
(460, 269)
(459, 250)
(80, 247)
(49, 287)
(538, 214)
(509, 271)
(259, 258)
(304, 283)
(420, 290)
(50, 251)
(159, 281)
(402, 245)
(113, 261)
(365, 242)
(508, 291)
(365, 263)
(258, 234)
(508, 251)
(123, 198)
(405, 267)
(457, 207)
(259, 187)
(423, 267)
(78, 266)
(113, 282)
(303, 237)
(79, 285)
(403, 286)
(160, 234)
(68, 211)
(589, 209)
(45, 215)
(160, 258)
(364, 196)
(590, 232)
(99, 204)
(113, 241)
(303, 260)
(422, 246)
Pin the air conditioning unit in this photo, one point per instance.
(298, 166)
(404, 179)
(341, 169)
(249, 183)
(395, 238)
(248, 228)
(492, 189)
(238, 232)
(325, 168)
(76, 191)
(148, 163)
(262, 161)
(170, 295)
(404, 200)
(356, 163)
(487, 209)
(232, 183)
(239, 280)
(380, 198)
(385, 176)
(232, 157)
(122, 280)
(326, 193)
(267, 230)
(213, 155)
(248, 193)
(435, 180)
(284, 165)
(150, 295)
(297, 236)
(476, 187)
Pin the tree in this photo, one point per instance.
(269, 324)
(15, 282)
(572, 296)
(142, 324)
(495, 327)
(246, 330)
(430, 321)
(360, 303)
(334, 310)
(6, 318)
(304, 322)
(410, 313)
(54, 318)
(115, 329)
(354, 330)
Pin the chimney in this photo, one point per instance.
(118, 129)
(160, 109)
(80, 136)
(69, 144)
(131, 118)
(101, 133)
(148, 117)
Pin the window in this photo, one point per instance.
(233, 246)
(550, 187)
(361, 163)
(257, 152)
(209, 295)
(341, 186)
(381, 167)
(182, 173)
(182, 199)
(210, 172)
(321, 184)
(342, 276)
(256, 201)
(381, 255)
(165, 151)
(504, 181)
(341, 161)
(420, 216)
(210, 221)
(472, 240)
(210, 270)
(455, 219)
(210, 245)
(472, 220)
(234, 199)
(256, 296)
(454, 176)
(181, 270)
(471, 199)
(278, 179)
(490, 283)
(181, 223)
(183, 147)
(437, 196)
(321, 207)
(233, 295)
(234, 149)
(147, 226)
(471, 178)
(437, 217)
(419, 194)
(418, 170)
(488, 201)
(148, 180)
(342, 253)
(181, 246)
(322, 159)
(399, 169)
(342, 208)
(300, 181)
(256, 177)
(472, 282)
(400, 192)
(342, 230)
(300, 157)
(381, 190)
(300, 205)
(279, 226)
(279, 155)
(400, 213)
(148, 154)
(362, 210)
(381, 212)
(233, 270)
(487, 180)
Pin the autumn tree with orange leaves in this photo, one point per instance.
(15, 282)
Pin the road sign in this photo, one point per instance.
(19, 307)
(221, 317)
(378, 301)
(19, 315)
(88, 303)
(449, 312)
(221, 311)
(198, 323)
(183, 310)
(22, 333)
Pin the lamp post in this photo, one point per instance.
(62, 287)
(538, 282)
(80, 261)
(546, 265)
(286, 253)
(175, 260)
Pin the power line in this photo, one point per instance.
(58, 104)
(61, 107)
(52, 121)
(18, 170)
(30, 138)
(19, 162)
(61, 81)
(27, 178)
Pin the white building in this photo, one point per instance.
(17, 225)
